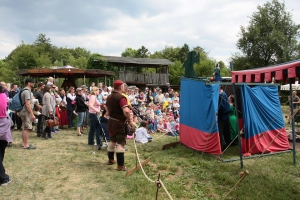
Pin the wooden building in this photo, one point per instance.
(141, 72)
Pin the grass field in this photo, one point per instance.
(65, 167)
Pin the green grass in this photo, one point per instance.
(65, 167)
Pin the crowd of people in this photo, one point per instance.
(150, 111)
(109, 113)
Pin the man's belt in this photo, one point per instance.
(116, 119)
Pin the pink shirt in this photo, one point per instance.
(3, 105)
(96, 104)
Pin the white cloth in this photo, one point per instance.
(141, 135)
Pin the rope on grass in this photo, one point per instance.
(157, 182)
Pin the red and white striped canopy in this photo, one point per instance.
(280, 72)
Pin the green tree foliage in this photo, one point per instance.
(24, 57)
(142, 52)
(7, 74)
(270, 38)
(96, 61)
(176, 71)
(129, 52)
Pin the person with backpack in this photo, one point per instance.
(26, 112)
(15, 118)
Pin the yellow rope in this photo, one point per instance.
(152, 181)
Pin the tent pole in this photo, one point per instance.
(238, 128)
(293, 123)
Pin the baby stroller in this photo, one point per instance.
(102, 133)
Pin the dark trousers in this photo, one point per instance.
(40, 124)
(17, 120)
(47, 130)
(3, 175)
(224, 131)
(95, 127)
(70, 117)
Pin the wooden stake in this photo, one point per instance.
(131, 171)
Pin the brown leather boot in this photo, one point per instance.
(111, 162)
(121, 168)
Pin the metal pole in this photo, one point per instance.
(104, 80)
(293, 123)
(238, 128)
(84, 79)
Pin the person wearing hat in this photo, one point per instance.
(26, 113)
(39, 95)
(84, 94)
(119, 115)
(168, 87)
(81, 109)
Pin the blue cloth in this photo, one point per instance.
(261, 109)
(224, 107)
(217, 78)
(203, 115)
(81, 117)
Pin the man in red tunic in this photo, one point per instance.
(119, 115)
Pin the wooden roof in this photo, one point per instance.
(66, 72)
(128, 61)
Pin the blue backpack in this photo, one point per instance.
(15, 104)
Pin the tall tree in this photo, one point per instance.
(129, 52)
(184, 50)
(271, 36)
(143, 52)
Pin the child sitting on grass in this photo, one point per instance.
(160, 126)
(171, 127)
(141, 133)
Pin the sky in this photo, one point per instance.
(108, 27)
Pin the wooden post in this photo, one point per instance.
(131, 171)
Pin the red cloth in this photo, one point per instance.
(63, 120)
(200, 141)
(57, 111)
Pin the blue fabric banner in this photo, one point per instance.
(261, 110)
(198, 105)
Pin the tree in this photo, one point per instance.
(184, 50)
(176, 71)
(7, 74)
(43, 42)
(129, 52)
(24, 57)
(142, 52)
(270, 38)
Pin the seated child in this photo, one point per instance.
(155, 122)
(141, 133)
(170, 127)
(160, 126)
(176, 107)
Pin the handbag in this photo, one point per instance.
(51, 122)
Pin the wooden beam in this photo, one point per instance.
(131, 171)
(167, 146)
